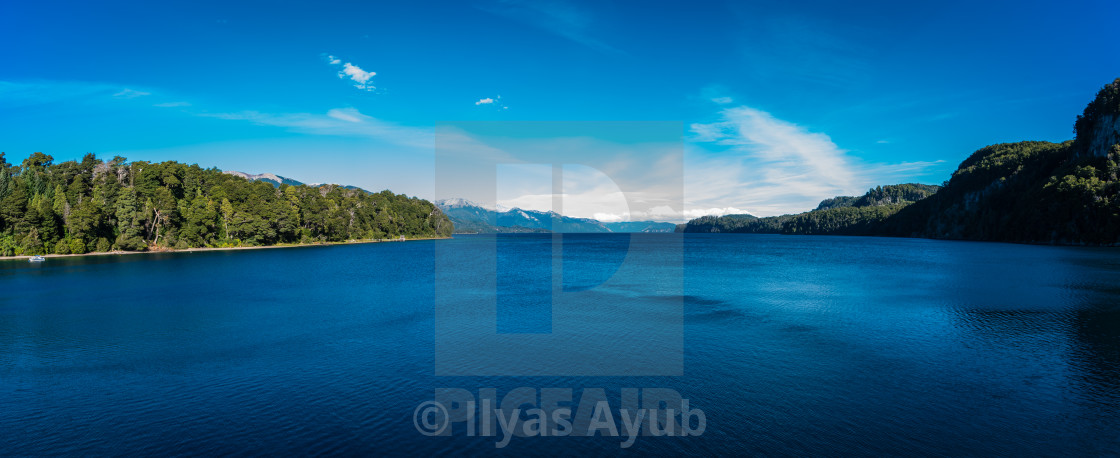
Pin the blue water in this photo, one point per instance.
(793, 345)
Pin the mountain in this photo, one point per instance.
(838, 215)
(882, 196)
(1032, 192)
(1027, 192)
(275, 180)
(470, 217)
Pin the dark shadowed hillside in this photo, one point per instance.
(838, 215)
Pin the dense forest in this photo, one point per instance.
(97, 206)
(1036, 192)
(838, 215)
(1031, 192)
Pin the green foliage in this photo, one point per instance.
(906, 193)
(838, 201)
(727, 223)
(76, 207)
(7, 246)
(63, 247)
(1033, 192)
(838, 215)
(1106, 103)
(77, 245)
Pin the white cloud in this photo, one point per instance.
(603, 177)
(347, 114)
(610, 217)
(495, 102)
(130, 94)
(698, 212)
(347, 122)
(749, 161)
(745, 161)
(722, 100)
(780, 166)
(354, 73)
(172, 104)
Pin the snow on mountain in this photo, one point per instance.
(470, 217)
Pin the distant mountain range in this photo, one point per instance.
(472, 218)
(277, 180)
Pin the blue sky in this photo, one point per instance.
(782, 103)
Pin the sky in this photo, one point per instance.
(780, 104)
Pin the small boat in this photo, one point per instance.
(36, 259)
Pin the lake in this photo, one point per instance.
(792, 345)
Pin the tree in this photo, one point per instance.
(76, 207)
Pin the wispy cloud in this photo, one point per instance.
(350, 115)
(722, 100)
(172, 104)
(348, 122)
(14, 94)
(556, 16)
(754, 161)
(780, 144)
(130, 94)
(361, 78)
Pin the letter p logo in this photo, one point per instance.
(611, 304)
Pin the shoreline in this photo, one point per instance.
(203, 249)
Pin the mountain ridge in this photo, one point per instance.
(471, 217)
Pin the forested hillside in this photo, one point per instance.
(1035, 192)
(95, 205)
(837, 215)
(1032, 192)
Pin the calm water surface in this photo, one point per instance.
(793, 346)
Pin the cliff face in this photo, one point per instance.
(1105, 135)
(1098, 128)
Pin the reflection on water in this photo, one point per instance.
(793, 345)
